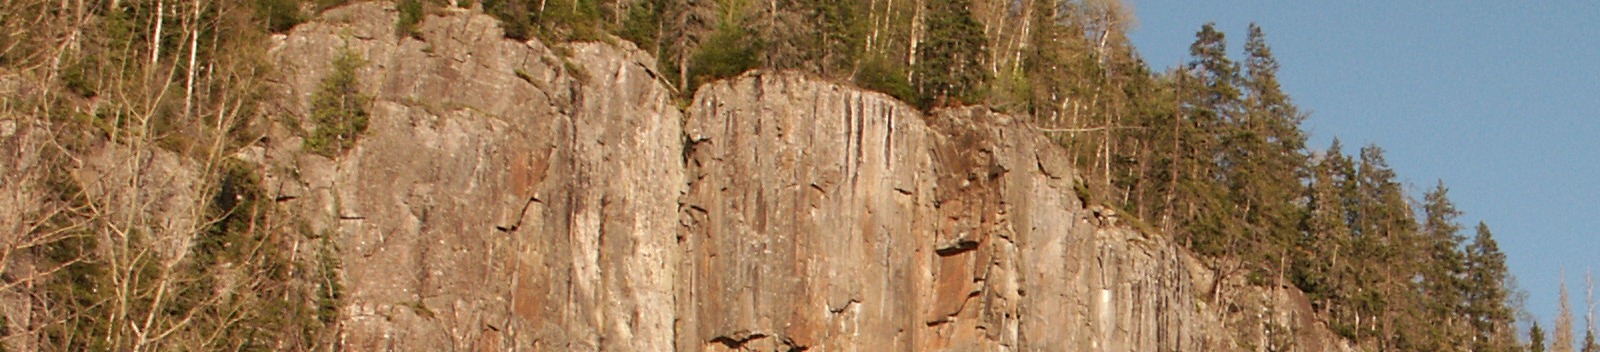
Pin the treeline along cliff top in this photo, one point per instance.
(139, 212)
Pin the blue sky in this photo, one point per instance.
(1500, 99)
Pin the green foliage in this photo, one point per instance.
(236, 206)
(1080, 188)
(76, 80)
(411, 13)
(338, 109)
(270, 308)
(1492, 322)
(109, 292)
(1536, 338)
(880, 76)
(328, 284)
(1012, 92)
(571, 20)
(549, 20)
(643, 26)
(234, 287)
(1211, 152)
(727, 53)
(950, 66)
(80, 287)
(279, 15)
(514, 17)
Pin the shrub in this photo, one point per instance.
(513, 15)
(338, 110)
(729, 52)
(879, 76)
(410, 14)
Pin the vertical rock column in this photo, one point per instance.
(808, 218)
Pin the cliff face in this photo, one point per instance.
(502, 195)
(514, 196)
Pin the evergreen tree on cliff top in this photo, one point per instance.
(950, 68)
(1210, 99)
(1322, 266)
(1492, 320)
(1266, 156)
(1443, 287)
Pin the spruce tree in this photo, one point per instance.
(787, 34)
(1385, 237)
(1210, 98)
(1326, 230)
(1487, 308)
(1266, 157)
(687, 24)
(1535, 338)
(1442, 285)
(950, 64)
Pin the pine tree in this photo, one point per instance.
(1327, 231)
(1487, 294)
(1210, 98)
(1535, 338)
(1266, 160)
(1058, 64)
(786, 33)
(1442, 284)
(1385, 235)
(841, 32)
(687, 24)
(950, 63)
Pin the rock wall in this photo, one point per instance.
(504, 197)
(514, 196)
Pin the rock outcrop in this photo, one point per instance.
(503, 196)
(514, 196)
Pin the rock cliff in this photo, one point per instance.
(518, 196)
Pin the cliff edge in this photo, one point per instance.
(516, 196)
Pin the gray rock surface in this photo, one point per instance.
(514, 196)
(504, 197)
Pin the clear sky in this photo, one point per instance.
(1500, 99)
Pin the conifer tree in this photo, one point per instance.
(1487, 294)
(1384, 235)
(786, 32)
(1266, 155)
(840, 32)
(1326, 230)
(950, 67)
(1056, 62)
(688, 23)
(1210, 100)
(1535, 338)
(1441, 277)
(818, 36)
